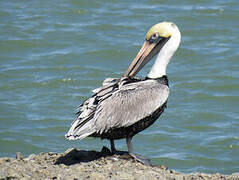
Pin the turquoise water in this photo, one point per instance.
(52, 53)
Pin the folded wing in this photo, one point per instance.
(118, 104)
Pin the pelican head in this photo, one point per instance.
(162, 39)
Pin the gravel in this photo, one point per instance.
(80, 164)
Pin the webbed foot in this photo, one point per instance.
(141, 159)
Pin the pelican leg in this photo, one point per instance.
(114, 151)
(139, 158)
(112, 144)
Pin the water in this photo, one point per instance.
(52, 53)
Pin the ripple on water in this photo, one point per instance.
(51, 59)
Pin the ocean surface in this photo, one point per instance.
(53, 53)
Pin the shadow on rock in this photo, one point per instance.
(74, 156)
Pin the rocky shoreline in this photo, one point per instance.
(80, 164)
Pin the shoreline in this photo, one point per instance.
(80, 164)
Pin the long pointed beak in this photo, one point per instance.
(143, 56)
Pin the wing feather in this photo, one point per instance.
(117, 104)
(131, 103)
(82, 126)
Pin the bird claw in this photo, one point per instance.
(141, 159)
(138, 158)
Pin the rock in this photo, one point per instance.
(80, 164)
(4, 160)
(19, 156)
(31, 157)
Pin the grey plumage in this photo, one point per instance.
(124, 107)
(119, 103)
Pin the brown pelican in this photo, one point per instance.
(123, 107)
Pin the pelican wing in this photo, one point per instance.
(131, 103)
(82, 126)
(117, 104)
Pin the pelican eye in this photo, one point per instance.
(154, 38)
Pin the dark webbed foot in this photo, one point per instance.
(114, 151)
